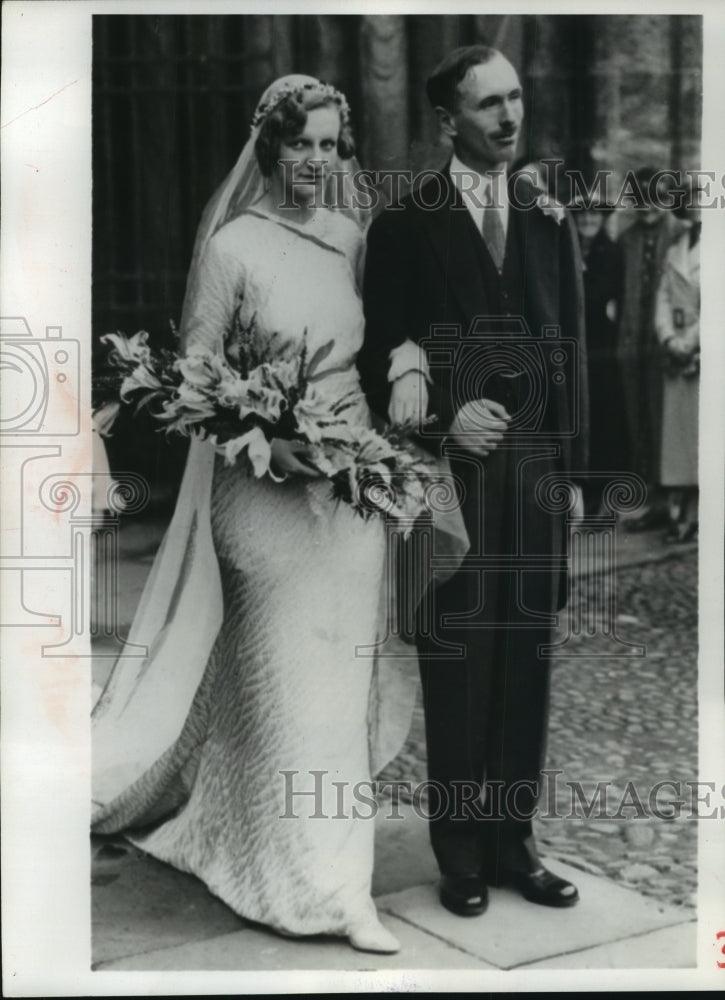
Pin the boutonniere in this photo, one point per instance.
(551, 207)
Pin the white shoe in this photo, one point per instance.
(372, 936)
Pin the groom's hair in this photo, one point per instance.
(442, 85)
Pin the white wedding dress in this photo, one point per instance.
(283, 689)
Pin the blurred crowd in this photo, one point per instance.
(642, 294)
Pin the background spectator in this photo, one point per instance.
(677, 323)
(644, 246)
(603, 280)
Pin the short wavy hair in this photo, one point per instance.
(442, 85)
(288, 119)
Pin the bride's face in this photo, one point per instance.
(309, 156)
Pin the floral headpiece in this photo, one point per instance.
(296, 90)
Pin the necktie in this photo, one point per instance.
(492, 230)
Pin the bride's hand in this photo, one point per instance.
(292, 458)
(408, 399)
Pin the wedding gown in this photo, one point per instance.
(284, 695)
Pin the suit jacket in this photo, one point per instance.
(429, 267)
(603, 279)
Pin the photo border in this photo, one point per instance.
(46, 279)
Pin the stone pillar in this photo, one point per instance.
(607, 110)
(579, 40)
(633, 69)
(259, 43)
(430, 37)
(499, 31)
(330, 55)
(686, 94)
(547, 96)
(283, 60)
(384, 75)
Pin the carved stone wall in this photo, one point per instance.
(173, 97)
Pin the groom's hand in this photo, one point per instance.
(479, 426)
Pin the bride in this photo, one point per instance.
(262, 590)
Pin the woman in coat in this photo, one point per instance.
(677, 324)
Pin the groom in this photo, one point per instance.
(486, 268)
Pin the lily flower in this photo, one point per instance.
(259, 451)
(129, 350)
(139, 378)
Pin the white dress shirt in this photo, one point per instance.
(475, 188)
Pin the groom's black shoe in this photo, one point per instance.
(466, 895)
(540, 886)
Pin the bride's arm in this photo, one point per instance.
(213, 295)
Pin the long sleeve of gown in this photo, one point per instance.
(219, 285)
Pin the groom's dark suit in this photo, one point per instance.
(486, 713)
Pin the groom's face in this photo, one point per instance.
(485, 124)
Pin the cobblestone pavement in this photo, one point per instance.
(627, 721)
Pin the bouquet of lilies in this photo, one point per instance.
(267, 393)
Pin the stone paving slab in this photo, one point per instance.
(514, 932)
(255, 949)
(139, 904)
(403, 855)
(669, 948)
(147, 915)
